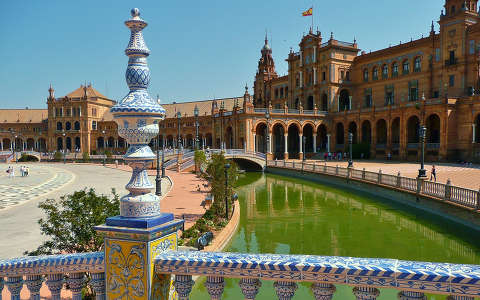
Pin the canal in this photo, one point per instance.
(291, 216)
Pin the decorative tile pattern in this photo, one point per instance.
(126, 269)
(385, 273)
(161, 284)
(52, 264)
(138, 129)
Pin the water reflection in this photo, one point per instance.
(284, 215)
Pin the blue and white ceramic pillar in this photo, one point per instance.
(133, 239)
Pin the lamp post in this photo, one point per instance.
(227, 166)
(179, 141)
(163, 160)
(350, 142)
(195, 113)
(158, 179)
(103, 142)
(64, 152)
(422, 172)
(267, 134)
(304, 142)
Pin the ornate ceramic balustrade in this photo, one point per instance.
(365, 275)
(55, 270)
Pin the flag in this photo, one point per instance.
(308, 12)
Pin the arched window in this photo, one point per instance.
(395, 69)
(417, 65)
(406, 67)
(384, 71)
(76, 126)
(375, 73)
(68, 126)
(347, 76)
(365, 75)
(59, 126)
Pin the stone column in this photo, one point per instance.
(314, 75)
(314, 142)
(314, 54)
(135, 238)
(323, 291)
(366, 293)
(301, 78)
(301, 58)
(285, 289)
(474, 132)
(286, 145)
(254, 142)
(328, 142)
(300, 137)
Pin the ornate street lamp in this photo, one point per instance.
(103, 135)
(158, 179)
(350, 142)
(422, 172)
(179, 141)
(227, 166)
(163, 160)
(304, 142)
(64, 150)
(267, 135)
(195, 113)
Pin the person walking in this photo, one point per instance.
(433, 173)
(12, 172)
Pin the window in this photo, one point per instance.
(68, 112)
(297, 81)
(385, 72)
(276, 93)
(413, 90)
(347, 76)
(451, 58)
(94, 125)
(68, 126)
(76, 125)
(324, 76)
(451, 80)
(436, 94)
(452, 10)
(471, 47)
(389, 95)
(94, 112)
(365, 75)
(394, 69)
(406, 67)
(281, 92)
(79, 111)
(417, 66)
(368, 98)
(437, 54)
(375, 74)
(59, 126)
(342, 75)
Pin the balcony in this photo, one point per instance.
(451, 62)
(433, 145)
(413, 145)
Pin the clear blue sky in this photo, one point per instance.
(199, 49)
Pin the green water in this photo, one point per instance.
(291, 216)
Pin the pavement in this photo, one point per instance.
(20, 196)
(459, 175)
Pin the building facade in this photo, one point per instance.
(332, 89)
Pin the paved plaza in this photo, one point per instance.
(20, 197)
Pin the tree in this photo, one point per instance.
(215, 174)
(57, 156)
(85, 157)
(200, 160)
(69, 222)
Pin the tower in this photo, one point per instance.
(457, 43)
(265, 72)
(51, 93)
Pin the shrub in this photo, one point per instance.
(57, 156)
(85, 157)
(26, 157)
(69, 222)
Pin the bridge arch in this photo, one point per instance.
(278, 135)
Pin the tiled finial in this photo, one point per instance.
(137, 116)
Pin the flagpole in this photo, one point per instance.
(312, 17)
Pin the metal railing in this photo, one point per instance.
(445, 192)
